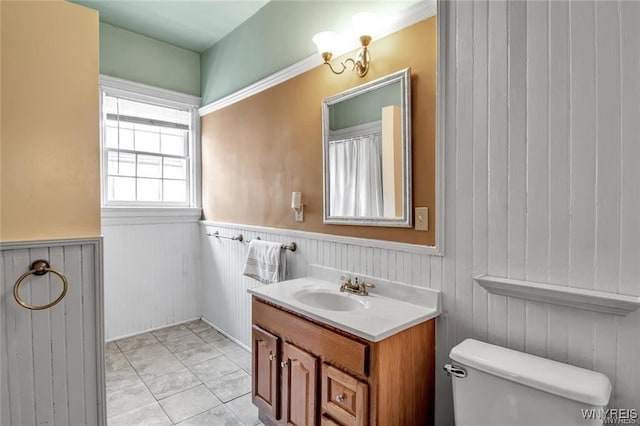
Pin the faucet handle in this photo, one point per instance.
(344, 279)
(369, 285)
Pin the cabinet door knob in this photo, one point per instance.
(271, 356)
(340, 397)
(283, 364)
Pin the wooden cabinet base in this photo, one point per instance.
(348, 380)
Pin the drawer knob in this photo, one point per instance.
(271, 356)
(283, 364)
(340, 397)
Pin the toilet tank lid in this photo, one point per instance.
(554, 377)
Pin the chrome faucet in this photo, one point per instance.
(355, 287)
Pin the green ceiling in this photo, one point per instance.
(193, 25)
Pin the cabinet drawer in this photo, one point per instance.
(341, 350)
(344, 398)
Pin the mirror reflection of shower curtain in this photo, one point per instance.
(355, 176)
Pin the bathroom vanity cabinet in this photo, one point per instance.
(307, 373)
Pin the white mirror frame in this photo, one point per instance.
(405, 221)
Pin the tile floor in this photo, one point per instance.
(181, 375)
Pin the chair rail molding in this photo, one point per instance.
(363, 242)
(578, 298)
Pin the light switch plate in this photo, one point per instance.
(299, 214)
(422, 218)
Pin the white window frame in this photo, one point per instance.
(149, 94)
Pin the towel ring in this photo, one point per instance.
(39, 267)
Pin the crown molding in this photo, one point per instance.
(411, 15)
(261, 85)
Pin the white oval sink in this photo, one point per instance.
(330, 301)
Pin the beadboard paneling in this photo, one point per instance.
(151, 276)
(544, 94)
(52, 359)
(225, 301)
(542, 155)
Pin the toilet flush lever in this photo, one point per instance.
(455, 370)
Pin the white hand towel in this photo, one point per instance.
(266, 261)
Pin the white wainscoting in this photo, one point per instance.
(52, 368)
(542, 178)
(226, 303)
(542, 171)
(151, 273)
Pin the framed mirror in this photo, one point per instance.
(366, 153)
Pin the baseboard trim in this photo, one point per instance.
(209, 323)
(149, 330)
(225, 334)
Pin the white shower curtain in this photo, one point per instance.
(355, 176)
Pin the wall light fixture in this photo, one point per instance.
(327, 42)
(297, 206)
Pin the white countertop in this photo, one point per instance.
(378, 317)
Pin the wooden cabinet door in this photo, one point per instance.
(344, 398)
(299, 384)
(265, 371)
(326, 421)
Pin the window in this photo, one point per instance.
(148, 152)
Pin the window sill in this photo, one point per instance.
(112, 216)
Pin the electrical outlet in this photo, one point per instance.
(422, 218)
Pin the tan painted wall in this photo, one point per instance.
(49, 168)
(257, 151)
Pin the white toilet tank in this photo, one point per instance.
(511, 388)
